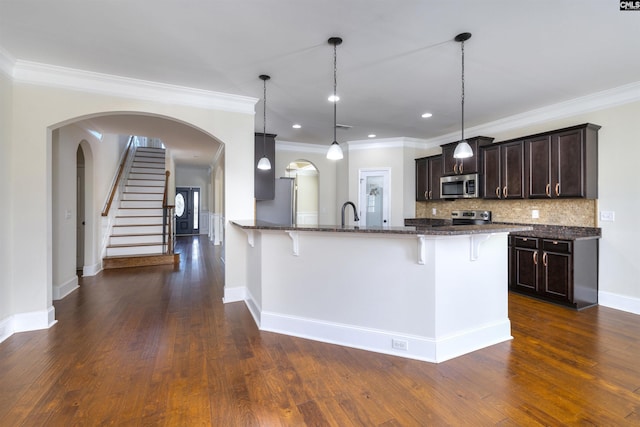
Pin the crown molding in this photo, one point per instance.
(7, 62)
(301, 147)
(106, 84)
(585, 104)
(398, 142)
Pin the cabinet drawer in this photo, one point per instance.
(525, 242)
(560, 246)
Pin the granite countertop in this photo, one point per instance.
(441, 229)
(561, 232)
(558, 232)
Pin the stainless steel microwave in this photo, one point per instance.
(459, 186)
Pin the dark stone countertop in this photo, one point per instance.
(440, 229)
(558, 232)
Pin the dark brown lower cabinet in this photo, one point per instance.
(561, 271)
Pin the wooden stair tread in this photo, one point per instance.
(135, 245)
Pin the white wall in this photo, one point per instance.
(398, 155)
(5, 206)
(36, 111)
(191, 176)
(98, 180)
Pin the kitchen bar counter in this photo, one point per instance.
(439, 229)
(424, 293)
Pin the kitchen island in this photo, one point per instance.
(424, 293)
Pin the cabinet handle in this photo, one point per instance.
(426, 194)
(548, 190)
(544, 259)
(455, 168)
(505, 193)
(430, 194)
(498, 192)
(535, 258)
(558, 189)
(461, 167)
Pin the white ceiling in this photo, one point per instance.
(397, 61)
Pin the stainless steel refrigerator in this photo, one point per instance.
(282, 209)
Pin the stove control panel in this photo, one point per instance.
(477, 215)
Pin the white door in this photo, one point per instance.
(375, 196)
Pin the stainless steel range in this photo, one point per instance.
(470, 217)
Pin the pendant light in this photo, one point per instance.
(463, 149)
(335, 152)
(264, 163)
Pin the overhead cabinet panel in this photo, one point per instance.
(563, 163)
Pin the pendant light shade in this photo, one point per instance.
(335, 151)
(264, 163)
(463, 149)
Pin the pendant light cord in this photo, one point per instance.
(335, 86)
(264, 119)
(462, 44)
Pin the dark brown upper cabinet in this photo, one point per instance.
(503, 166)
(264, 183)
(563, 163)
(428, 173)
(453, 166)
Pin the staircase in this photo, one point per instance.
(136, 236)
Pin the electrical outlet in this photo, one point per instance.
(607, 216)
(434, 211)
(400, 344)
(535, 213)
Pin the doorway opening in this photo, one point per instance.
(80, 210)
(374, 197)
(306, 184)
(187, 210)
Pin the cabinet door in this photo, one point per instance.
(512, 162)
(538, 168)
(525, 263)
(435, 172)
(449, 163)
(567, 164)
(557, 276)
(422, 179)
(491, 185)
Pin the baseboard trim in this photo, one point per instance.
(61, 291)
(619, 302)
(234, 294)
(91, 270)
(253, 307)
(6, 328)
(418, 348)
(31, 321)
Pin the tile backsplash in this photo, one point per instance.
(568, 212)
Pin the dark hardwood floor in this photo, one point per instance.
(156, 346)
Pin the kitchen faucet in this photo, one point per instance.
(355, 213)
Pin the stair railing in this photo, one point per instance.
(116, 182)
(167, 219)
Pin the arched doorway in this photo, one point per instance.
(80, 185)
(307, 184)
(80, 209)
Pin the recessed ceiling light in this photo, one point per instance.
(372, 135)
(334, 98)
(296, 126)
(426, 115)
